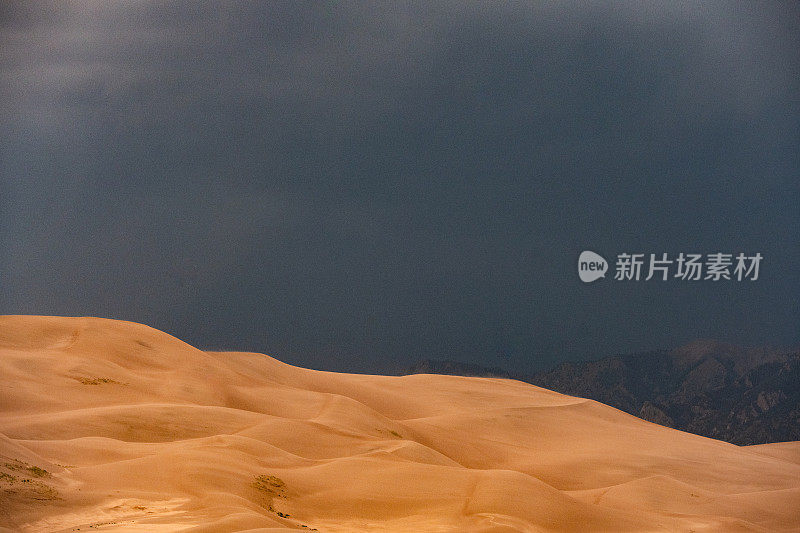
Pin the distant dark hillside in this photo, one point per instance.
(455, 368)
(741, 395)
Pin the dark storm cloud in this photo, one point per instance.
(356, 186)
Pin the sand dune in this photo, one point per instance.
(114, 426)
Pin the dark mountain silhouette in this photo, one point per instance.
(455, 368)
(740, 395)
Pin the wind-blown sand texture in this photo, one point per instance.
(109, 425)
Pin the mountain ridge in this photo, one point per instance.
(743, 395)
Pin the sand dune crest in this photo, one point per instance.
(112, 425)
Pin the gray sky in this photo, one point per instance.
(357, 186)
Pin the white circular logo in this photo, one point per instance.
(591, 266)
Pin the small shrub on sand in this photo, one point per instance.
(95, 381)
(271, 484)
(38, 472)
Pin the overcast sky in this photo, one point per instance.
(358, 186)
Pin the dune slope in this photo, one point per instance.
(109, 425)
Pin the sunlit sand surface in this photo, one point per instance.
(114, 426)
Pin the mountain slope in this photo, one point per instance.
(744, 396)
(740, 395)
